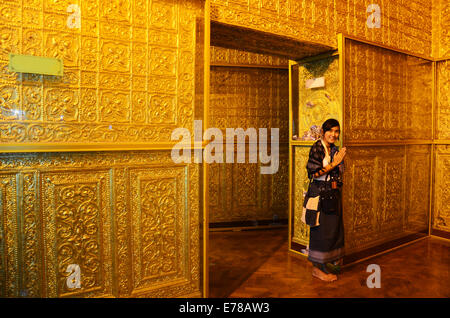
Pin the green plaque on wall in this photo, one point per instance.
(35, 64)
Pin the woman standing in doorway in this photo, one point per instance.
(325, 167)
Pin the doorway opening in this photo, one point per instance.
(248, 211)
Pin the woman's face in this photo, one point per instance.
(332, 135)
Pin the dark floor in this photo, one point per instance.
(257, 264)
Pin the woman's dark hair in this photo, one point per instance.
(330, 123)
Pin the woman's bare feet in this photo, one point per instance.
(323, 276)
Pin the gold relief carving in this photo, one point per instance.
(69, 203)
(114, 81)
(61, 104)
(88, 108)
(162, 109)
(89, 55)
(5, 74)
(393, 196)
(31, 248)
(162, 221)
(118, 10)
(162, 61)
(441, 24)
(373, 78)
(443, 100)
(56, 21)
(114, 106)
(122, 221)
(58, 5)
(139, 103)
(32, 102)
(89, 27)
(214, 183)
(280, 184)
(162, 14)
(115, 56)
(132, 54)
(417, 180)
(246, 177)
(9, 266)
(9, 14)
(62, 46)
(441, 214)
(140, 59)
(9, 103)
(300, 180)
(166, 39)
(140, 12)
(162, 84)
(114, 30)
(321, 20)
(78, 230)
(139, 35)
(382, 209)
(89, 9)
(9, 41)
(88, 79)
(32, 42)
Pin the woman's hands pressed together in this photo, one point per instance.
(339, 156)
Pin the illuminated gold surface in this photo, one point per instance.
(233, 57)
(300, 186)
(129, 71)
(130, 220)
(388, 96)
(248, 98)
(443, 100)
(384, 198)
(388, 103)
(404, 24)
(441, 25)
(441, 215)
(137, 66)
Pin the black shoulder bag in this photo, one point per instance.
(329, 200)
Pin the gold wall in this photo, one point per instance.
(404, 24)
(441, 48)
(131, 220)
(248, 90)
(388, 133)
(441, 208)
(441, 25)
(128, 71)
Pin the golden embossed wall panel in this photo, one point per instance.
(442, 130)
(441, 25)
(418, 161)
(404, 24)
(228, 56)
(385, 194)
(300, 184)
(128, 71)
(388, 95)
(248, 98)
(441, 214)
(129, 220)
(440, 219)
